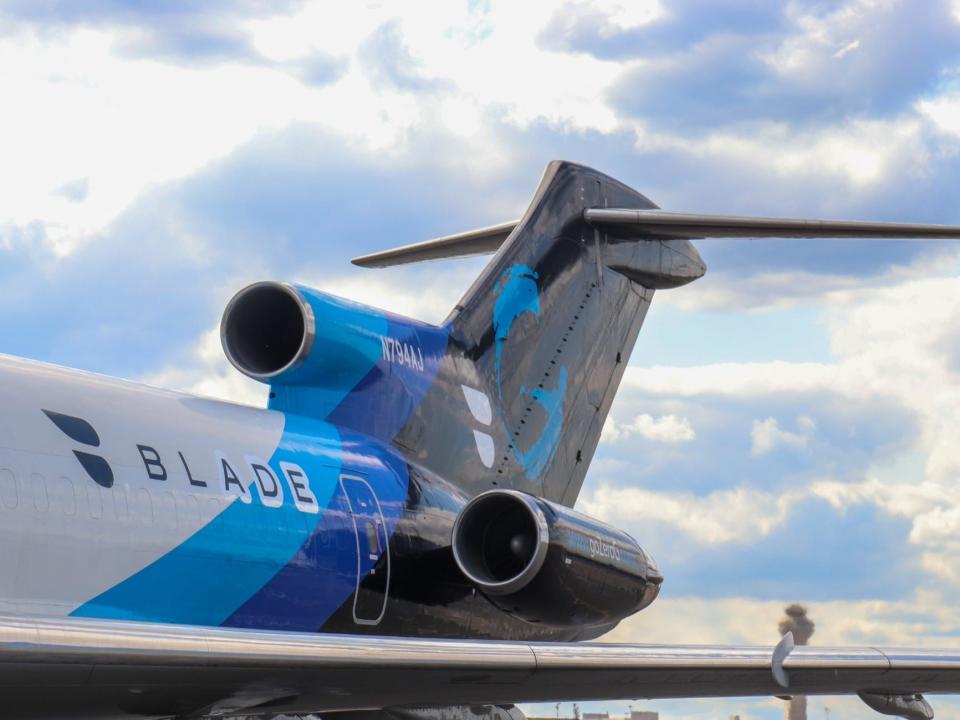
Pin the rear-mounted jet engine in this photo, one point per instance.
(547, 563)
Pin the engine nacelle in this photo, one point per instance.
(285, 334)
(548, 563)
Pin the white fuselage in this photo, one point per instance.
(67, 539)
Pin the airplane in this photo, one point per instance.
(393, 536)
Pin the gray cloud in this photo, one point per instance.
(389, 63)
(179, 31)
(818, 554)
(731, 63)
(75, 190)
(583, 28)
(320, 69)
(850, 435)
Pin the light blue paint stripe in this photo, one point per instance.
(206, 578)
(354, 330)
(536, 457)
(517, 295)
(347, 346)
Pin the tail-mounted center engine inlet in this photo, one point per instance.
(268, 329)
(285, 334)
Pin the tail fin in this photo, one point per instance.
(539, 343)
(549, 326)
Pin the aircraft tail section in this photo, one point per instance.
(549, 327)
(539, 343)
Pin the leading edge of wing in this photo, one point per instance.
(632, 223)
(315, 672)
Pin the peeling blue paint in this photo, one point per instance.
(536, 457)
(518, 294)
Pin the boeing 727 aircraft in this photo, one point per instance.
(392, 537)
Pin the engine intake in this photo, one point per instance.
(500, 541)
(285, 334)
(548, 563)
(267, 329)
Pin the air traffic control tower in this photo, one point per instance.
(795, 620)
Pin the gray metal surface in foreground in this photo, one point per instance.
(141, 667)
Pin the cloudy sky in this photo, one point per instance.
(787, 428)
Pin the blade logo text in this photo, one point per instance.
(262, 478)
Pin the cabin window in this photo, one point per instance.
(120, 507)
(94, 501)
(8, 489)
(67, 496)
(38, 486)
(166, 510)
(143, 519)
(188, 511)
(143, 505)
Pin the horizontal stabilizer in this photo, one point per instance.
(661, 224)
(473, 242)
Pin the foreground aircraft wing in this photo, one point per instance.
(53, 667)
(660, 224)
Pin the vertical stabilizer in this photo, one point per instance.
(539, 343)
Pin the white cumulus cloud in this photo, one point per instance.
(665, 429)
(722, 516)
(765, 435)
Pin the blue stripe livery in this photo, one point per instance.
(322, 575)
(259, 566)
(368, 370)
(384, 400)
(190, 584)
(346, 347)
